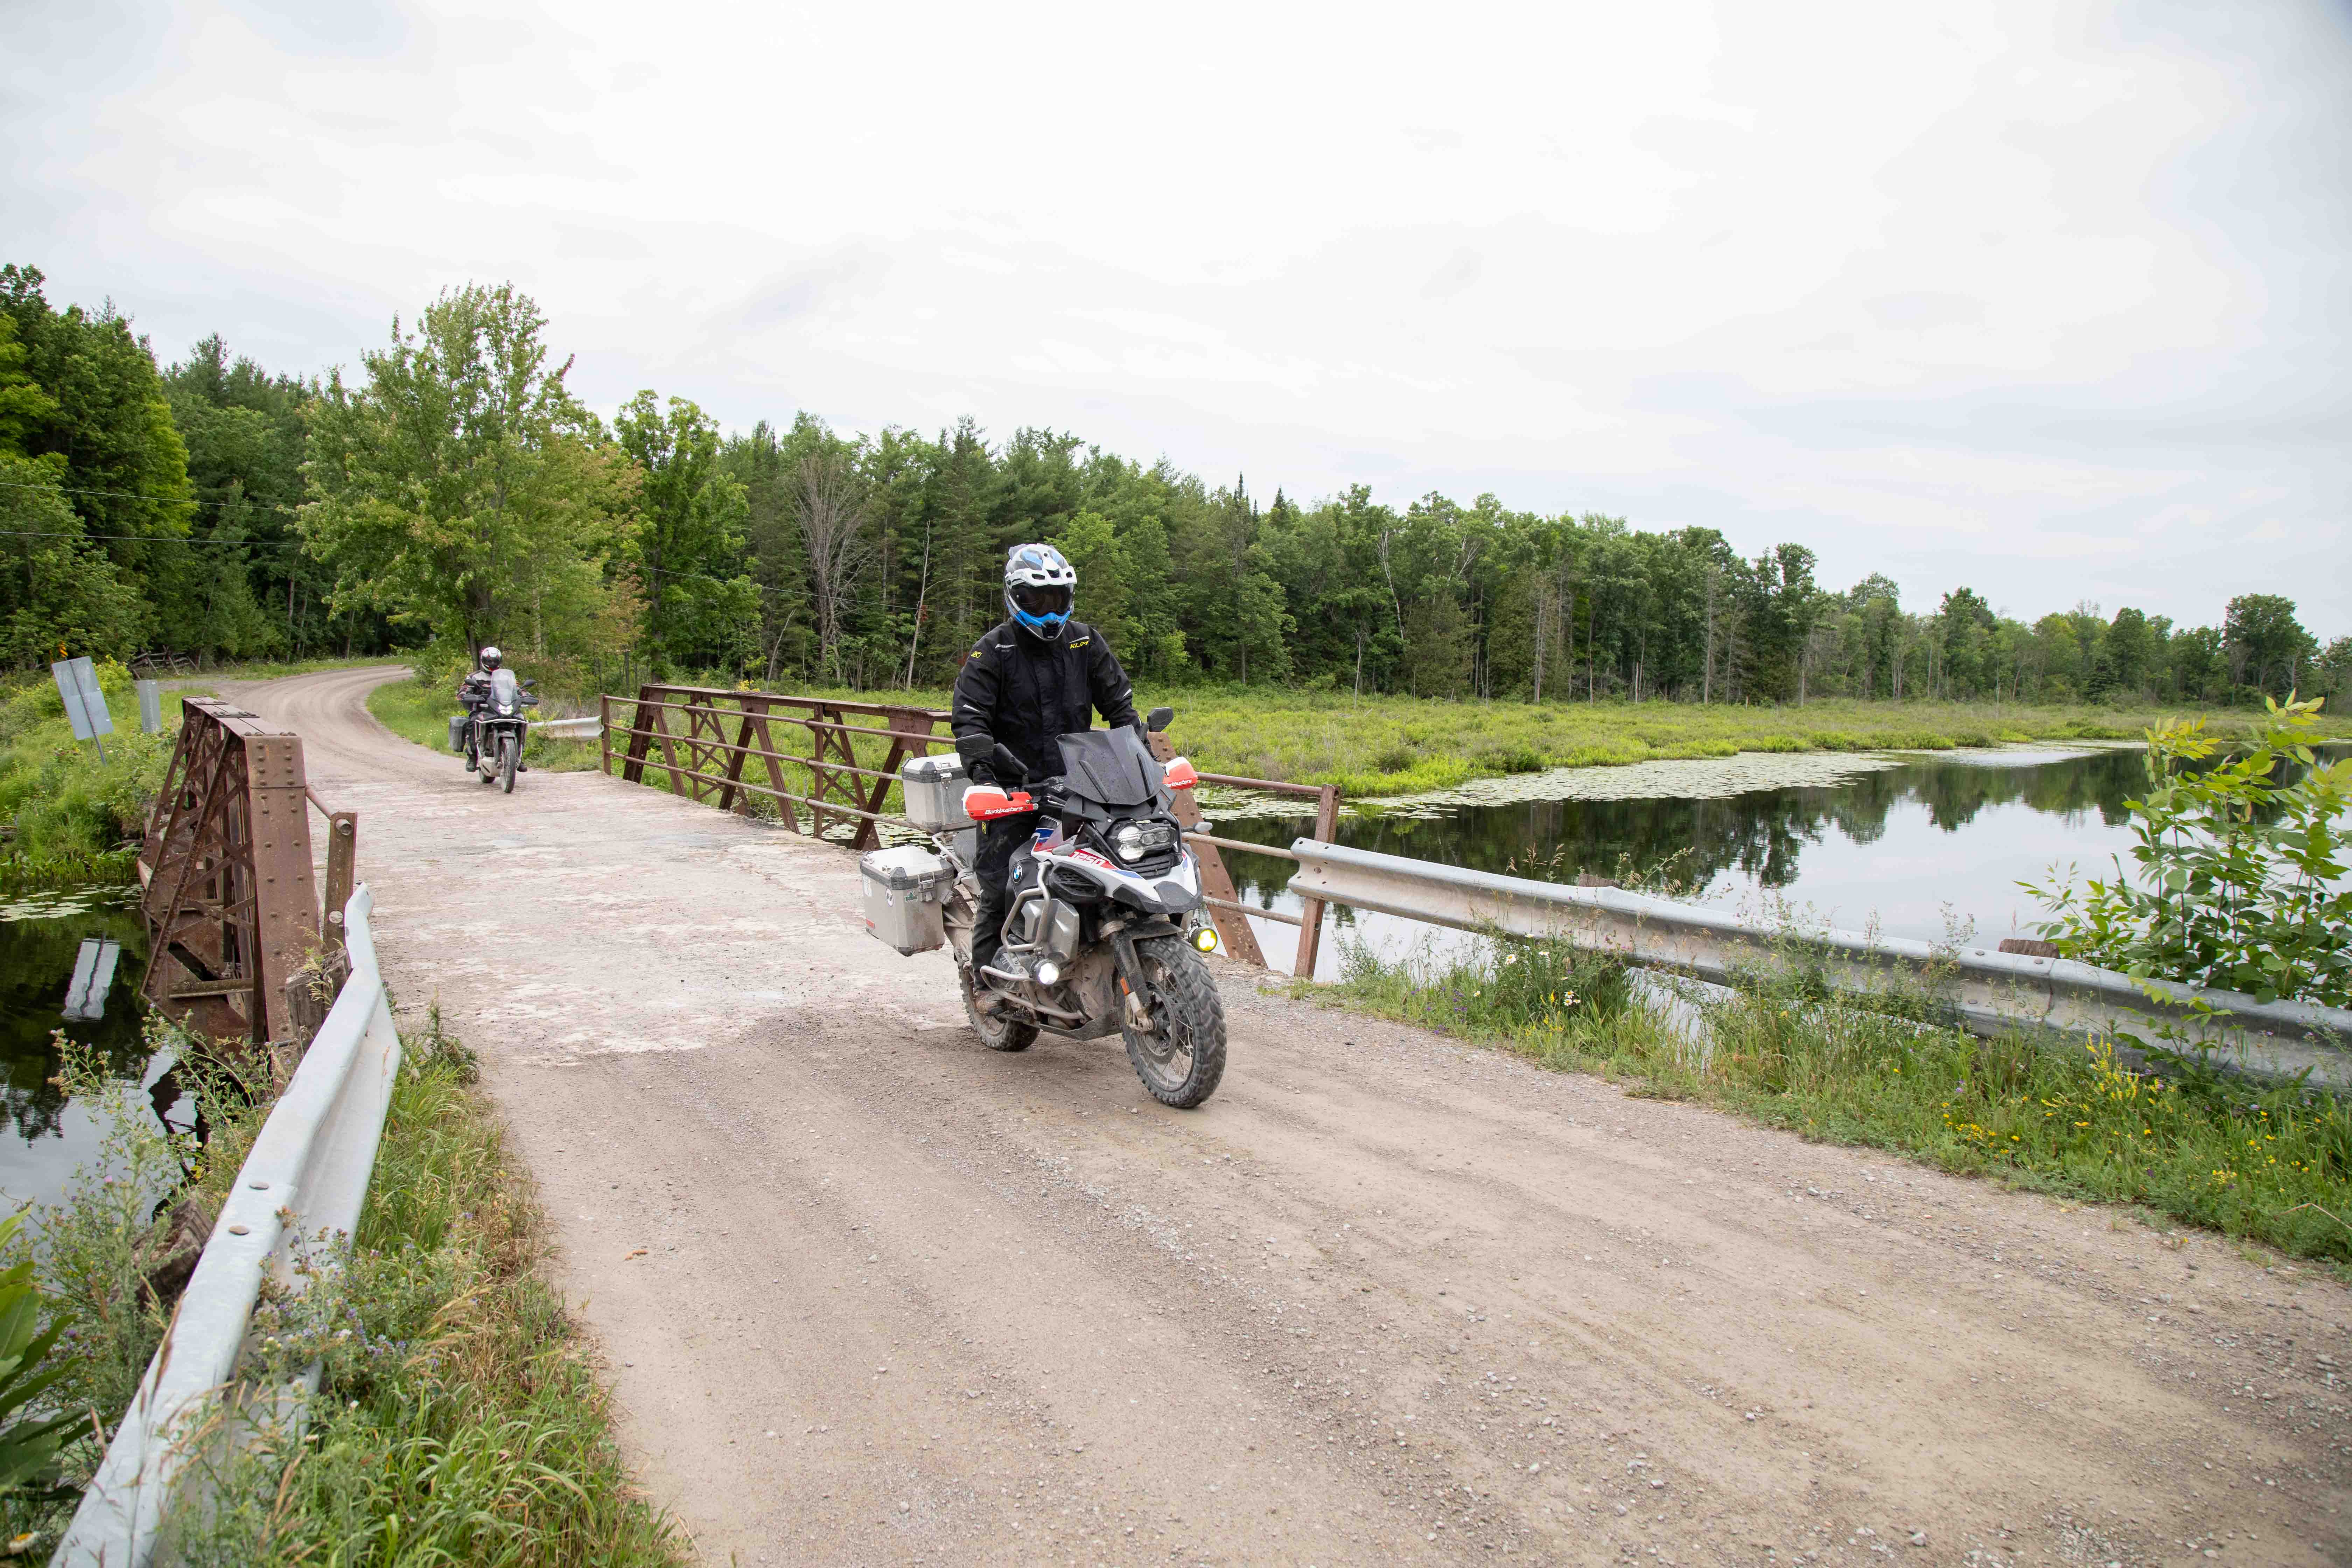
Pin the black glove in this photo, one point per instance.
(981, 774)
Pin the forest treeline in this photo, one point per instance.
(452, 490)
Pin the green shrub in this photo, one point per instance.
(2239, 879)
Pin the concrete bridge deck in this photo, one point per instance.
(872, 1294)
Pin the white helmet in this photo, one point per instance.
(492, 658)
(1040, 586)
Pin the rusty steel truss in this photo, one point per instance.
(231, 898)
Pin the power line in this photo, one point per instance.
(140, 495)
(138, 538)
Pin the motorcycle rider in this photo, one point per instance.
(1038, 676)
(473, 692)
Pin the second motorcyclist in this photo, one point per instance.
(1038, 676)
(474, 693)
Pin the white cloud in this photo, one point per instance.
(1953, 292)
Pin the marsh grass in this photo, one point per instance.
(459, 1417)
(61, 801)
(2268, 1162)
(1373, 746)
(1403, 745)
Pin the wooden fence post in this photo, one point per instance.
(1310, 915)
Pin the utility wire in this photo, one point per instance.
(140, 538)
(143, 495)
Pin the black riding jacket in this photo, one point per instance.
(1020, 692)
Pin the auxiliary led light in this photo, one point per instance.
(1048, 972)
(1206, 940)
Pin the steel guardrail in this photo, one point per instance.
(1988, 992)
(307, 1173)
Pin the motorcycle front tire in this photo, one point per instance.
(1183, 1056)
(509, 754)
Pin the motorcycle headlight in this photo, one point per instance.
(1134, 840)
(506, 706)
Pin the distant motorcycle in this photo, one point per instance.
(494, 728)
(1106, 926)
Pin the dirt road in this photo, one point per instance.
(872, 1294)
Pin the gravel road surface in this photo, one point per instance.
(870, 1293)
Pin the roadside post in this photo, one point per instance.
(85, 703)
(151, 706)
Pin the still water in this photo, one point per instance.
(1920, 845)
(49, 941)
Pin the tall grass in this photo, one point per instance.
(2269, 1162)
(60, 798)
(459, 1418)
(1402, 745)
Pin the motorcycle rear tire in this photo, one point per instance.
(997, 1031)
(1183, 1057)
(509, 754)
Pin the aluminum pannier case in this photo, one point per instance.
(906, 891)
(934, 788)
(458, 723)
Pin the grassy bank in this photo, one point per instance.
(1399, 745)
(1402, 745)
(61, 802)
(2272, 1163)
(459, 1417)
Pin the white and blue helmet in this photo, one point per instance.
(1040, 587)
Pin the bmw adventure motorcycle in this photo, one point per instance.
(494, 728)
(1105, 928)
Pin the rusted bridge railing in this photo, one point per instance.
(705, 739)
(229, 891)
(690, 727)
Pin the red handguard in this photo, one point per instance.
(986, 802)
(1180, 774)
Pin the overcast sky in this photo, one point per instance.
(2053, 300)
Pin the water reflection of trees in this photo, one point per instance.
(1760, 835)
(37, 964)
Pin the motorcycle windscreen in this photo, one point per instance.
(1110, 767)
(503, 690)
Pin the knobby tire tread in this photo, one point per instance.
(1192, 994)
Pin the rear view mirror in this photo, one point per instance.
(531, 686)
(1160, 718)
